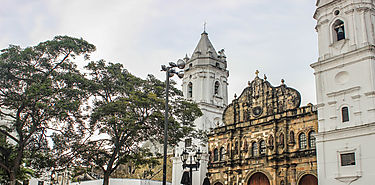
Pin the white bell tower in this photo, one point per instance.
(345, 88)
(205, 83)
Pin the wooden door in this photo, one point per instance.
(259, 179)
(308, 180)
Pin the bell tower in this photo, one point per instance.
(205, 83)
(345, 90)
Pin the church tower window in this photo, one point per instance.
(312, 139)
(339, 30)
(190, 90)
(217, 85)
(345, 114)
(302, 141)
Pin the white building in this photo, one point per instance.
(345, 87)
(205, 82)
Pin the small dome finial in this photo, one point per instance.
(235, 96)
(282, 81)
(265, 77)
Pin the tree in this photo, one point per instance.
(40, 89)
(128, 111)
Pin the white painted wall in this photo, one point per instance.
(202, 71)
(344, 76)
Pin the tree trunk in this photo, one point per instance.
(12, 178)
(106, 178)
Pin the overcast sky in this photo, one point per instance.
(277, 37)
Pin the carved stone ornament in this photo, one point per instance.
(260, 99)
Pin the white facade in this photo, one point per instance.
(204, 82)
(345, 88)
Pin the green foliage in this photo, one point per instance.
(40, 89)
(128, 111)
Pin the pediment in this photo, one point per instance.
(261, 99)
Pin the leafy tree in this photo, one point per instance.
(128, 111)
(40, 88)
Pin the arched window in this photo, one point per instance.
(254, 149)
(302, 141)
(222, 152)
(339, 30)
(312, 139)
(291, 137)
(345, 114)
(216, 155)
(190, 90)
(217, 85)
(262, 148)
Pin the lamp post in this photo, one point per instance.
(169, 71)
(197, 157)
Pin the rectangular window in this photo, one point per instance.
(347, 159)
(187, 142)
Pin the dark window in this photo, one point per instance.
(217, 65)
(40, 182)
(188, 142)
(302, 141)
(216, 155)
(312, 139)
(254, 149)
(282, 182)
(339, 30)
(190, 65)
(262, 150)
(190, 90)
(217, 85)
(345, 114)
(347, 159)
(222, 152)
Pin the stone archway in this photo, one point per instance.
(308, 180)
(218, 183)
(258, 178)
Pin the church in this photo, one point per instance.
(264, 136)
(267, 138)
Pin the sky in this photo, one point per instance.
(276, 37)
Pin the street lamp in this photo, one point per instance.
(170, 71)
(184, 157)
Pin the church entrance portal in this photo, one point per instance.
(218, 183)
(258, 179)
(308, 180)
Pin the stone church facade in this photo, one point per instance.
(267, 138)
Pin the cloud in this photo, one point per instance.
(275, 37)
